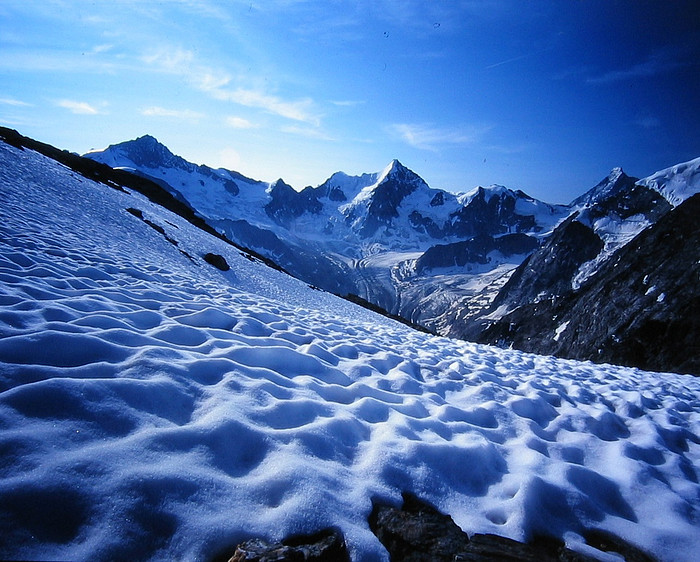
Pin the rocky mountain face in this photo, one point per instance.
(642, 307)
(492, 264)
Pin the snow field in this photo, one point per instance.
(152, 407)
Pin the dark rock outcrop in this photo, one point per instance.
(325, 546)
(218, 261)
(417, 532)
(474, 251)
(607, 542)
(549, 271)
(491, 214)
(287, 204)
(388, 195)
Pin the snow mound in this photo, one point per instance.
(154, 407)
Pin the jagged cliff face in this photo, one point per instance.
(464, 265)
(642, 308)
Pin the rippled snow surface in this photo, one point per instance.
(153, 407)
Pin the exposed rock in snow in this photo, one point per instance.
(325, 546)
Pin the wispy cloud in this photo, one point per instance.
(102, 48)
(185, 114)
(221, 86)
(427, 137)
(14, 102)
(520, 57)
(648, 122)
(308, 132)
(297, 110)
(170, 60)
(78, 107)
(660, 62)
(348, 103)
(240, 123)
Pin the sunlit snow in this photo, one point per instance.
(153, 407)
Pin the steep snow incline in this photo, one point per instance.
(154, 407)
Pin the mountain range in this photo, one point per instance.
(166, 394)
(459, 264)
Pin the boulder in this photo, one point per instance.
(218, 261)
(418, 532)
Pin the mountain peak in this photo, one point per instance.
(395, 170)
(280, 184)
(676, 183)
(490, 191)
(143, 152)
(394, 167)
(145, 138)
(611, 184)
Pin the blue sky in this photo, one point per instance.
(541, 96)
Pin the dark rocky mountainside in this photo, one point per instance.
(474, 251)
(642, 308)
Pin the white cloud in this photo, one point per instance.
(348, 103)
(102, 48)
(14, 102)
(228, 158)
(299, 110)
(187, 114)
(307, 132)
(78, 107)
(240, 123)
(216, 83)
(170, 60)
(659, 62)
(426, 137)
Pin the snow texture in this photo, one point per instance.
(154, 407)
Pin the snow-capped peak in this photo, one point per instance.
(396, 170)
(392, 169)
(143, 152)
(494, 190)
(615, 181)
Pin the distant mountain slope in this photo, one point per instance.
(457, 264)
(354, 234)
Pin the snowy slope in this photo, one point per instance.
(676, 183)
(154, 407)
